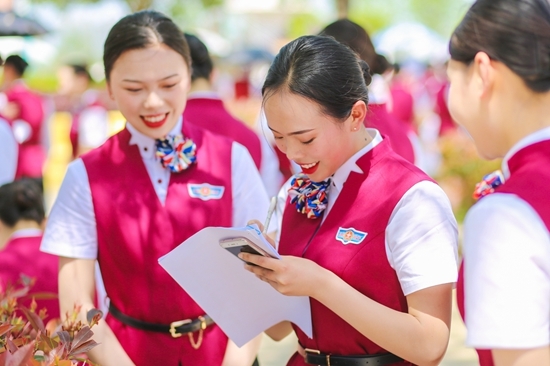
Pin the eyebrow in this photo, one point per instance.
(139, 81)
(295, 132)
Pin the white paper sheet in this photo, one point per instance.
(241, 304)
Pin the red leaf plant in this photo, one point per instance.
(26, 341)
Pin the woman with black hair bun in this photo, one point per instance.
(143, 192)
(500, 92)
(365, 234)
(21, 223)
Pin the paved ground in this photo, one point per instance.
(276, 354)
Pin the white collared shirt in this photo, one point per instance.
(71, 228)
(421, 236)
(8, 153)
(507, 269)
(26, 233)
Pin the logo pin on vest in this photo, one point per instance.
(205, 191)
(350, 235)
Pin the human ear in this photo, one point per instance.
(110, 91)
(484, 74)
(358, 114)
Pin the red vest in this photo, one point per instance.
(365, 203)
(22, 255)
(134, 229)
(529, 177)
(396, 130)
(211, 115)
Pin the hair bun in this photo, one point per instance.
(27, 195)
(366, 71)
(382, 65)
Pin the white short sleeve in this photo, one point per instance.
(71, 227)
(422, 239)
(8, 153)
(507, 275)
(250, 200)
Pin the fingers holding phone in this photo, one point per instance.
(240, 244)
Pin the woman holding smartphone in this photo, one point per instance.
(504, 80)
(365, 234)
(142, 193)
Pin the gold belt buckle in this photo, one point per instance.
(174, 325)
(309, 350)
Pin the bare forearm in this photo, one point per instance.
(77, 287)
(414, 336)
(241, 356)
(525, 357)
(279, 331)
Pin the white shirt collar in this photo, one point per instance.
(145, 143)
(25, 233)
(531, 139)
(203, 95)
(342, 174)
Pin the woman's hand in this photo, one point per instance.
(270, 237)
(292, 276)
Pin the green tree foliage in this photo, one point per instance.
(135, 5)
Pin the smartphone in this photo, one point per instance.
(240, 244)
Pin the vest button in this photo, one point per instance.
(159, 181)
(145, 149)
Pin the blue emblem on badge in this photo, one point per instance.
(205, 191)
(350, 235)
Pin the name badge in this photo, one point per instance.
(205, 191)
(350, 235)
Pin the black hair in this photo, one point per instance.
(356, 37)
(514, 32)
(80, 70)
(21, 200)
(321, 70)
(18, 63)
(201, 63)
(140, 30)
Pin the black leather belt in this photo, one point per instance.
(176, 329)
(314, 357)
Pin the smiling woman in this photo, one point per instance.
(131, 201)
(365, 234)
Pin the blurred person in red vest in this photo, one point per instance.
(21, 222)
(89, 126)
(205, 109)
(402, 100)
(447, 124)
(356, 38)
(24, 111)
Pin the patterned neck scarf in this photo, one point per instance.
(309, 197)
(176, 153)
(488, 184)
